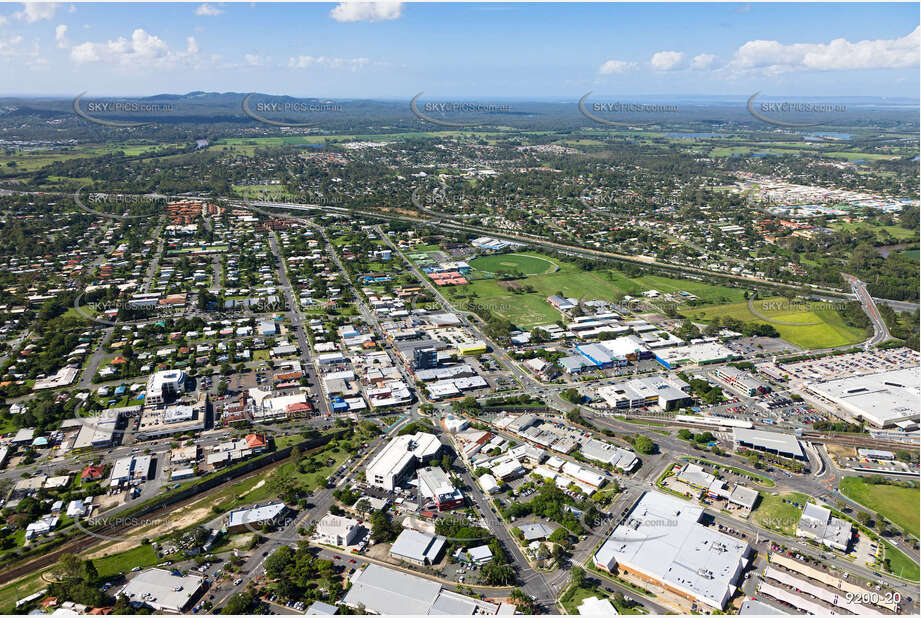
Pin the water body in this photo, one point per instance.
(695, 135)
(832, 135)
(886, 250)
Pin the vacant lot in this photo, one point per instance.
(775, 514)
(897, 504)
(808, 325)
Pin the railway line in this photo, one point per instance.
(85, 541)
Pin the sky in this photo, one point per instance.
(393, 50)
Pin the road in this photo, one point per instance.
(880, 330)
(296, 319)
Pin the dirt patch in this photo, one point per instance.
(837, 450)
(183, 518)
(254, 487)
(511, 286)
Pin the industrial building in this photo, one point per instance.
(782, 444)
(379, 590)
(662, 541)
(162, 591)
(253, 517)
(400, 457)
(417, 547)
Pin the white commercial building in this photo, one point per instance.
(881, 399)
(400, 457)
(379, 590)
(817, 523)
(662, 541)
(338, 531)
(162, 385)
(163, 591)
(608, 453)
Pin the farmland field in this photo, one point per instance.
(811, 326)
(897, 504)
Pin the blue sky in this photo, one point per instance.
(394, 50)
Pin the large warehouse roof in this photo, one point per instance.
(881, 398)
(663, 540)
(783, 443)
(386, 591)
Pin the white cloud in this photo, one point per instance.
(207, 10)
(9, 47)
(616, 67)
(60, 35)
(306, 62)
(36, 11)
(366, 11)
(253, 60)
(667, 60)
(3, 20)
(702, 62)
(838, 55)
(142, 50)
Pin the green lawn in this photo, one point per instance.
(142, 556)
(896, 231)
(11, 593)
(900, 564)
(574, 597)
(773, 514)
(530, 308)
(897, 504)
(812, 326)
(526, 264)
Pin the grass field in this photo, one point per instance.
(527, 309)
(811, 326)
(897, 504)
(774, 514)
(900, 564)
(525, 264)
(11, 593)
(896, 231)
(142, 555)
(912, 254)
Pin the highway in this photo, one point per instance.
(880, 330)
